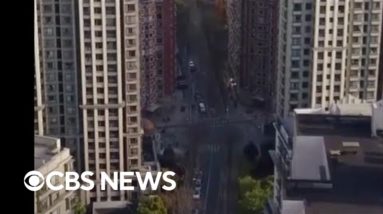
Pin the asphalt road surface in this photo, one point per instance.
(215, 145)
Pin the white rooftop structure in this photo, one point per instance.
(45, 149)
(293, 207)
(309, 111)
(309, 161)
(377, 118)
(363, 109)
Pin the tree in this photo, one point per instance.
(151, 205)
(254, 194)
(79, 208)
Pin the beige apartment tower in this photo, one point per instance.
(327, 51)
(110, 87)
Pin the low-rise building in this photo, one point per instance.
(50, 156)
(329, 161)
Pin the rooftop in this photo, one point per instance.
(309, 161)
(342, 146)
(45, 149)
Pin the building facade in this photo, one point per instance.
(327, 50)
(251, 26)
(50, 156)
(346, 51)
(315, 165)
(168, 27)
(380, 84)
(294, 55)
(110, 89)
(234, 23)
(158, 62)
(38, 96)
(56, 85)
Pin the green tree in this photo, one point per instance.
(254, 194)
(79, 207)
(151, 205)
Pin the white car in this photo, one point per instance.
(191, 66)
(197, 193)
(202, 107)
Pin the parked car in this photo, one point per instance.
(197, 193)
(202, 107)
(192, 67)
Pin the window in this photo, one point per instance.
(110, 10)
(305, 73)
(296, 30)
(320, 55)
(307, 29)
(131, 53)
(308, 17)
(320, 67)
(295, 53)
(131, 8)
(297, 18)
(97, 10)
(307, 41)
(323, 9)
(48, 8)
(306, 52)
(321, 32)
(295, 63)
(341, 8)
(297, 7)
(111, 33)
(110, 22)
(98, 22)
(308, 6)
(49, 31)
(296, 41)
(98, 33)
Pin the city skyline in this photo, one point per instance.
(226, 93)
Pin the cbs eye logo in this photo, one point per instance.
(34, 180)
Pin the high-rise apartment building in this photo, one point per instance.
(346, 51)
(110, 87)
(380, 82)
(157, 27)
(38, 99)
(169, 34)
(234, 23)
(251, 55)
(294, 54)
(56, 91)
(327, 50)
